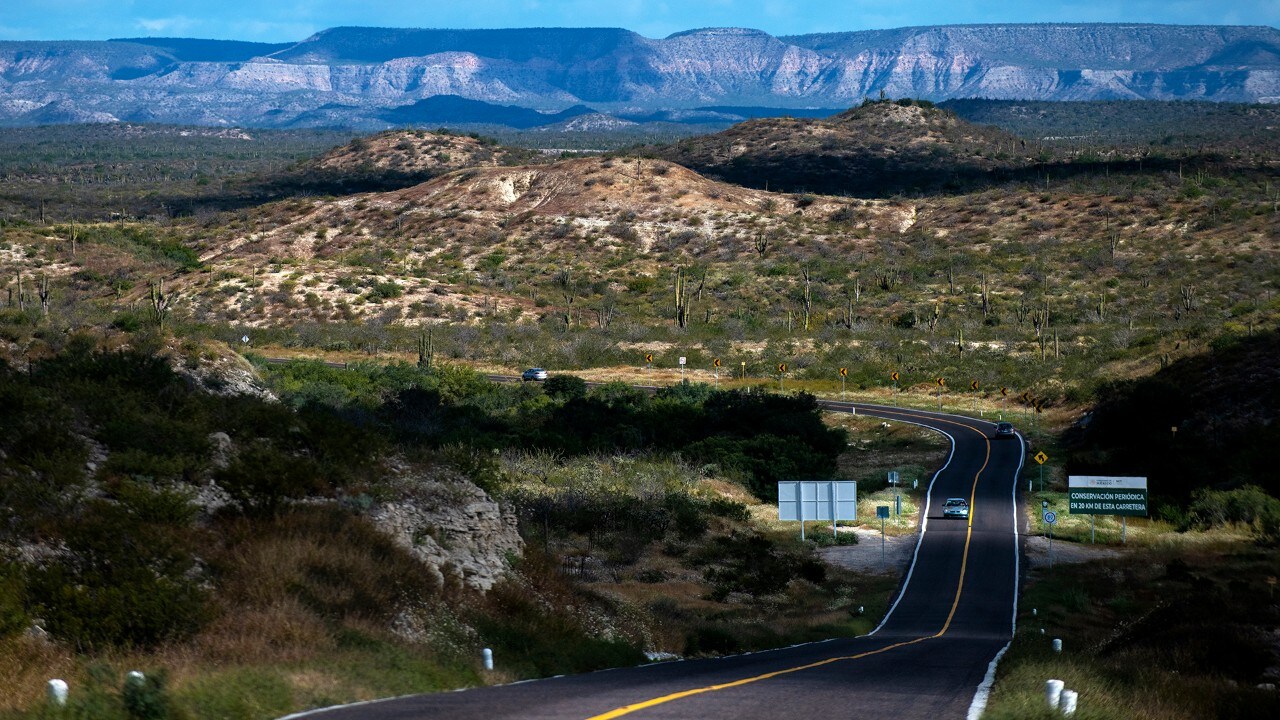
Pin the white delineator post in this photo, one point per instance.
(57, 692)
(134, 678)
(1057, 645)
(487, 654)
(1067, 703)
(1053, 693)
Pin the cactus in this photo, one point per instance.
(426, 351)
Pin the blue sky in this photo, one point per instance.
(280, 21)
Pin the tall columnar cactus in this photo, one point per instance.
(426, 351)
(160, 302)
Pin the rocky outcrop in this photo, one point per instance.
(455, 528)
(356, 75)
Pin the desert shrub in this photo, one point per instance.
(262, 477)
(1248, 505)
(146, 699)
(13, 618)
(326, 558)
(528, 621)
(129, 578)
(750, 564)
(710, 640)
(565, 387)
(385, 291)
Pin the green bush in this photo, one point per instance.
(146, 699)
(1245, 505)
(262, 477)
(13, 618)
(129, 578)
(565, 387)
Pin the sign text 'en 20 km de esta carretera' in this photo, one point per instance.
(1096, 495)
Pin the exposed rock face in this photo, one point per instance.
(355, 75)
(455, 528)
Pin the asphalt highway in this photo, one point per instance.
(927, 660)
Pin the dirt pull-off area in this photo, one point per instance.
(1036, 552)
(866, 555)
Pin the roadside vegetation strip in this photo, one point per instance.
(628, 709)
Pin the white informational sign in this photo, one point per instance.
(893, 477)
(681, 359)
(1051, 517)
(818, 500)
(1103, 495)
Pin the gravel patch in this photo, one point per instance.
(1036, 552)
(865, 556)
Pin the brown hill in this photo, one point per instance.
(417, 153)
(877, 150)
(392, 160)
(510, 229)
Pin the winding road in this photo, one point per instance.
(932, 657)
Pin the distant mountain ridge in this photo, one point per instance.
(376, 77)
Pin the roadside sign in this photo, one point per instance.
(1004, 391)
(973, 385)
(782, 367)
(681, 359)
(1097, 495)
(882, 512)
(844, 372)
(1050, 517)
(1041, 458)
(817, 500)
(715, 363)
(893, 477)
(942, 382)
(648, 357)
(894, 375)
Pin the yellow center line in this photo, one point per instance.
(628, 709)
(964, 565)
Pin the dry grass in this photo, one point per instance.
(25, 665)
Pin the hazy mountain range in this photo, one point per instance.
(374, 77)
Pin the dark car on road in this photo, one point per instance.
(1004, 430)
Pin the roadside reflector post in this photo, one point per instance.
(1053, 693)
(57, 690)
(882, 512)
(487, 654)
(1057, 645)
(1067, 702)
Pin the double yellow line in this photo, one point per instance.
(964, 565)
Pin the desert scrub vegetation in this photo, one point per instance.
(1158, 634)
(280, 594)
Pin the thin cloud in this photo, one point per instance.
(169, 25)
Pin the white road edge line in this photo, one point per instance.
(983, 693)
(924, 520)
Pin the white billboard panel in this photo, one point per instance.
(818, 500)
